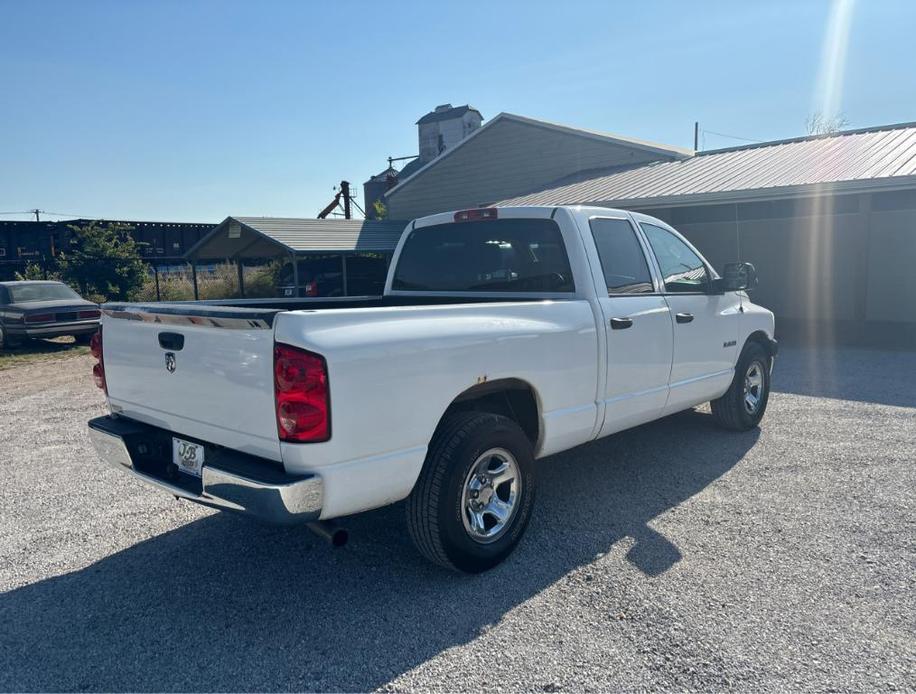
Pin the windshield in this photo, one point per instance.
(505, 255)
(24, 293)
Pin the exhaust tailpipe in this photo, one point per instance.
(330, 532)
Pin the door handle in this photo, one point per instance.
(171, 341)
(621, 323)
(683, 317)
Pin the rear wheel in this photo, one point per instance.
(474, 496)
(743, 405)
(8, 342)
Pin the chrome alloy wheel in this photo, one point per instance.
(753, 387)
(490, 495)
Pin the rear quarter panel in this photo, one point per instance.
(393, 372)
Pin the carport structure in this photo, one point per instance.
(238, 239)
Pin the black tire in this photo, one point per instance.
(731, 410)
(8, 342)
(435, 511)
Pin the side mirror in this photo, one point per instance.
(739, 276)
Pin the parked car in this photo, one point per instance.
(503, 335)
(32, 309)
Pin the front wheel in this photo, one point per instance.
(474, 496)
(745, 401)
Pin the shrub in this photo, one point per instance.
(222, 283)
(103, 262)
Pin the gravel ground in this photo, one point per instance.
(673, 556)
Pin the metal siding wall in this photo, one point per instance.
(807, 265)
(511, 158)
(891, 292)
(811, 266)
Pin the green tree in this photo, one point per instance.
(381, 212)
(103, 262)
(34, 271)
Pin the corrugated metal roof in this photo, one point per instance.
(263, 236)
(328, 234)
(858, 155)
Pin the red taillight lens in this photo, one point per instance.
(98, 371)
(302, 395)
(311, 289)
(98, 375)
(86, 315)
(40, 318)
(95, 345)
(477, 214)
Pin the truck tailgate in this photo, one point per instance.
(204, 372)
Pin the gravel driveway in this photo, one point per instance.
(673, 556)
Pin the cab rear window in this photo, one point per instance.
(504, 255)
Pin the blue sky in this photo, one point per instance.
(191, 111)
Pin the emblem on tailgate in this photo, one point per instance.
(170, 362)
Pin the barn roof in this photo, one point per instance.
(261, 237)
(870, 156)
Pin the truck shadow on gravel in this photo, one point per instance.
(223, 604)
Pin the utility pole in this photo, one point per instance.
(696, 135)
(36, 211)
(345, 194)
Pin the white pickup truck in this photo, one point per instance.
(503, 335)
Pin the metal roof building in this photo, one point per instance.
(850, 161)
(511, 155)
(265, 237)
(334, 241)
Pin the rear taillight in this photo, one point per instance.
(475, 215)
(95, 345)
(98, 370)
(40, 318)
(311, 289)
(86, 315)
(302, 395)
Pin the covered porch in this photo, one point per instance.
(320, 257)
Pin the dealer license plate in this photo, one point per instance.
(189, 457)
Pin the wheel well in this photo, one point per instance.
(761, 338)
(510, 397)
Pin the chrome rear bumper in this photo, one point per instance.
(266, 494)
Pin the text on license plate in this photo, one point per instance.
(189, 457)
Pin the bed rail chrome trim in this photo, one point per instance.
(227, 320)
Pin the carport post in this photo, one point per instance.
(238, 264)
(156, 275)
(194, 277)
(295, 272)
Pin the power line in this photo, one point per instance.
(733, 137)
(70, 214)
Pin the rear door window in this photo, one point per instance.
(502, 255)
(622, 258)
